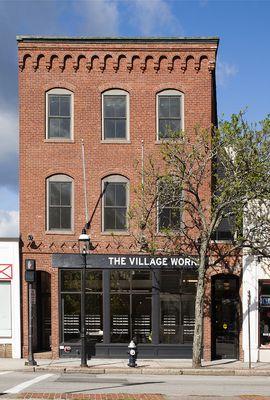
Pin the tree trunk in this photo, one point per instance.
(199, 308)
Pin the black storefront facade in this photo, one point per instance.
(148, 299)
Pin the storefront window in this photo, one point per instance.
(264, 311)
(71, 305)
(131, 306)
(177, 306)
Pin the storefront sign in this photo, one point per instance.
(265, 301)
(124, 261)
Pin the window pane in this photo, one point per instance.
(170, 319)
(120, 281)
(64, 127)
(141, 318)
(93, 281)
(54, 105)
(71, 310)
(164, 127)
(175, 106)
(141, 280)
(53, 127)
(94, 316)
(109, 129)
(120, 194)
(54, 189)
(65, 106)
(170, 281)
(174, 125)
(54, 217)
(109, 194)
(120, 218)
(189, 282)
(66, 193)
(120, 128)
(65, 218)
(120, 318)
(109, 218)
(70, 281)
(164, 106)
(175, 218)
(109, 106)
(119, 106)
(164, 218)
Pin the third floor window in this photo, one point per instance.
(59, 114)
(115, 115)
(169, 113)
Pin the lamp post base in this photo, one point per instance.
(83, 365)
(31, 363)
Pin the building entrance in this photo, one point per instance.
(43, 304)
(225, 316)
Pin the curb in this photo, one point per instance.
(150, 371)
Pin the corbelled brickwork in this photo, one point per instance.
(88, 68)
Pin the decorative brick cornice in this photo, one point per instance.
(113, 62)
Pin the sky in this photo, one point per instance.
(243, 78)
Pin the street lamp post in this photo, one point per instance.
(84, 241)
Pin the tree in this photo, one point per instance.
(208, 177)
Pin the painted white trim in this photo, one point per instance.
(169, 92)
(116, 92)
(59, 178)
(116, 179)
(60, 91)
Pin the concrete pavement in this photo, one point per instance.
(150, 367)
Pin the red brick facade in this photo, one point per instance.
(88, 68)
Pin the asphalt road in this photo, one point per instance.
(12, 383)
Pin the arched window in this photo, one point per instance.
(170, 113)
(59, 114)
(59, 203)
(115, 189)
(115, 115)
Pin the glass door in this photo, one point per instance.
(225, 316)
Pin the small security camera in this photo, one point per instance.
(30, 238)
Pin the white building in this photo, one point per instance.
(256, 282)
(256, 279)
(10, 318)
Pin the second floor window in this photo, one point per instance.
(59, 203)
(115, 203)
(115, 115)
(169, 205)
(59, 114)
(169, 112)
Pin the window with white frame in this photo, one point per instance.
(115, 115)
(115, 203)
(170, 116)
(59, 114)
(169, 204)
(59, 203)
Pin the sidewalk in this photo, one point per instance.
(146, 367)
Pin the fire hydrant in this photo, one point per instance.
(132, 354)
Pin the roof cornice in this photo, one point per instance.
(112, 40)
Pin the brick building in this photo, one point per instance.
(112, 93)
